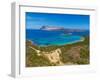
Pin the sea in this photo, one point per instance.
(50, 38)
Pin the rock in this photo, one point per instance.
(51, 28)
(52, 56)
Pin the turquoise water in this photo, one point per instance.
(59, 40)
(47, 38)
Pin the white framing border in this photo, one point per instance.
(17, 38)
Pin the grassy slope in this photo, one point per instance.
(76, 53)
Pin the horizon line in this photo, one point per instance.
(63, 28)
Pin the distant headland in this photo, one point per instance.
(50, 28)
(55, 28)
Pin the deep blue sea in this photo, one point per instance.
(45, 38)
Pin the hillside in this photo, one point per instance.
(72, 54)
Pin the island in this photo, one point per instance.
(51, 28)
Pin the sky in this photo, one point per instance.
(72, 21)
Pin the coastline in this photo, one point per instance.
(74, 53)
(82, 39)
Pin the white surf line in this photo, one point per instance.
(82, 39)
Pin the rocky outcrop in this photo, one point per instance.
(50, 28)
(53, 57)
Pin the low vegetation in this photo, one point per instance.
(73, 54)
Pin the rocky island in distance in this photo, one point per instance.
(55, 28)
(50, 28)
